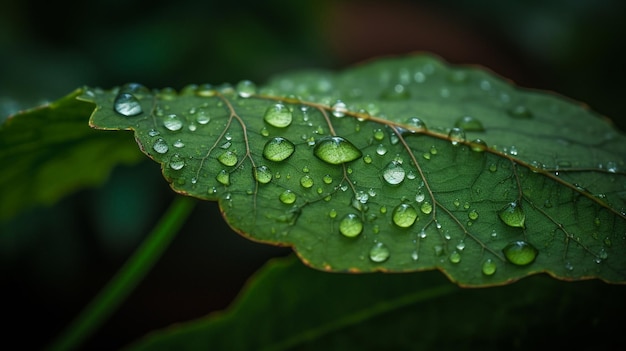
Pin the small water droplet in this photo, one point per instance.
(381, 149)
(176, 162)
(278, 149)
(426, 208)
(379, 253)
(433, 150)
(367, 159)
(339, 109)
(173, 122)
(489, 267)
(493, 167)
(404, 215)
(153, 132)
(394, 173)
(478, 145)
(336, 150)
(461, 245)
(414, 255)
(416, 123)
(327, 179)
(379, 134)
(278, 115)
(223, 177)
(520, 111)
(473, 215)
(306, 181)
(512, 215)
(262, 174)
(126, 104)
(455, 257)
(287, 197)
(246, 88)
(456, 135)
(228, 158)
(202, 116)
(160, 146)
(469, 123)
(419, 197)
(351, 225)
(179, 144)
(520, 253)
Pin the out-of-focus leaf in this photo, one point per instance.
(401, 164)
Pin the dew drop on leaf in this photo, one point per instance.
(404, 215)
(160, 146)
(278, 149)
(473, 215)
(336, 150)
(306, 181)
(512, 215)
(394, 173)
(520, 252)
(127, 104)
(278, 115)
(172, 122)
(489, 267)
(455, 257)
(228, 158)
(469, 123)
(287, 197)
(379, 134)
(416, 123)
(379, 253)
(339, 109)
(478, 145)
(327, 179)
(456, 135)
(426, 208)
(176, 162)
(520, 111)
(351, 225)
(223, 177)
(246, 88)
(262, 174)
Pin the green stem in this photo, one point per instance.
(127, 278)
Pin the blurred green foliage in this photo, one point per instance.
(53, 265)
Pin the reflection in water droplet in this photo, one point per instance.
(176, 162)
(379, 253)
(469, 123)
(262, 174)
(246, 88)
(520, 253)
(489, 267)
(172, 122)
(306, 181)
(336, 150)
(287, 197)
(228, 158)
(278, 149)
(394, 173)
(160, 146)
(456, 135)
(351, 225)
(127, 104)
(404, 215)
(512, 215)
(278, 115)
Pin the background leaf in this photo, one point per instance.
(311, 310)
(401, 164)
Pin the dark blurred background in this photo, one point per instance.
(53, 265)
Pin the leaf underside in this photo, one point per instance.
(396, 165)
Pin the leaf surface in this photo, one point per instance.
(49, 151)
(400, 164)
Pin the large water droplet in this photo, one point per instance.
(426, 208)
(278, 115)
(489, 267)
(404, 215)
(520, 253)
(394, 173)
(228, 158)
(126, 104)
(246, 88)
(262, 174)
(469, 123)
(160, 146)
(512, 215)
(278, 149)
(287, 197)
(379, 253)
(223, 177)
(336, 150)
(351, 225)
(456, 135)
(176, 162)
(172, 122)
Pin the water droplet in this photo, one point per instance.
(228, 158)
(379, 134)
(126, 104)
(381, 149)
(306, 181)
(489, 267)
(336, 150)
(426, 208)
(262, 174)
(520, 111)
(351, 225)
(287, 197)
(469, 123)
(493, 167)
(419, 197)
(478, 145)
(223, 177)
(176, 162)
(327, 179)
(278, 115)
(456, 135)
(160, 146)
(394, 173)
(433, 150)
(179, 144)
(153, 132)
(379, 253)
(278, 149)
(455, 257)
(416, 123)
(520, 253)
(512, 215)
(339, 109)
(172, 122)
(473, 215)
(202, 116)
(246, 88)
(404, 215)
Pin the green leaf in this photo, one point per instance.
(49, 151)
(287, 306)
(397, 165)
